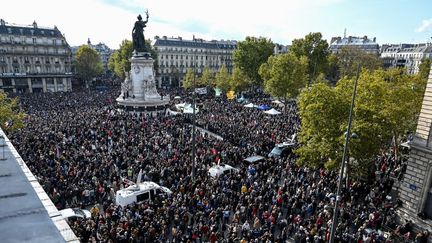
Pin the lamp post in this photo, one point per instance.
(341, 172)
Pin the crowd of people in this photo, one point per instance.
(82, 147)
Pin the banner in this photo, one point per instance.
(201, 91)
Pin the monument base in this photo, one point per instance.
(139, 93)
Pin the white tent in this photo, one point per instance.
(272, 111)
(250, 105)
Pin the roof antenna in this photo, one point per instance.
(345, 33)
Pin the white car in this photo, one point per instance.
(222, 169)
(70, 213)
(140, 192)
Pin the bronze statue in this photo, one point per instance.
(138, 34)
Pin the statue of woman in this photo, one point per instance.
(138, 34)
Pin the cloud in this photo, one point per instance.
(426, 25)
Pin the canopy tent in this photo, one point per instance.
(250, 105)
(263, 107)
(177, 97)
(272, 111)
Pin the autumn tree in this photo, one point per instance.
(424, 68)
(11, 117)
(250, 54)
(189, 79)
(207, 78)
(239, 80)
(386, 108)
(284, 76)
(223, 79)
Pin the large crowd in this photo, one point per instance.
(82, 147)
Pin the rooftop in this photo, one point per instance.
(195, 43)
(26, 212)
(30, 30)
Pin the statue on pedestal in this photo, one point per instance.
(138, 39)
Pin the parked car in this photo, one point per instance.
(222, 169)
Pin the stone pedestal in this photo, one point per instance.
(139, 88)
(415, 191)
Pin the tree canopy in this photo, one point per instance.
(284, 75)
(11, 117)
(315, 49)
(189, 79)
(239, 80)
(350, 56)
(250, 54)
(223, 79)
(386, 107)
(119, 61)
(87, 63)
(207, 78)
(424, 68)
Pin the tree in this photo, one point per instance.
(424, 68)
(11, 117)
(284, 75)
(239, 80)
(119, 61)
(250, 54)
(386, 107)
(350, 56)
(87, 63)
(315, 49)
(223, 79)
(207, 78)
(189, 78)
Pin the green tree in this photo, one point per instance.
(87, 63)
(250, 54)
(189, 78)
(223, 79)
(119, 61)
(207, 78)
(239, 80)
(386, 108)
(284, 75)
(11, 117)
(315, 49)
(424, 68)
(350, 56)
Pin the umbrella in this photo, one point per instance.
(250, 105)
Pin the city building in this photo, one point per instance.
(363, 43)
(407, 56)
(103, 50)
(415, 190)
(280, 49)
(176, 55)
(33, 59)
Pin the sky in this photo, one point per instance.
(111, 21)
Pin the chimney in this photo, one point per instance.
(2, 22)
(374, 39)
(88, 41)
(35, 24)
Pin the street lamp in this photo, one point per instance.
(341, 172)
(354, 136)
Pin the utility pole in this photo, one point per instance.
(341, 172)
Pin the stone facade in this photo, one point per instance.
(408, 56)
(34, 59)
(415, 191)
(176, 55)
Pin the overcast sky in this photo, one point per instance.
(111, 21)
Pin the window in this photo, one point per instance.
(143, 197)
(34, 40)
